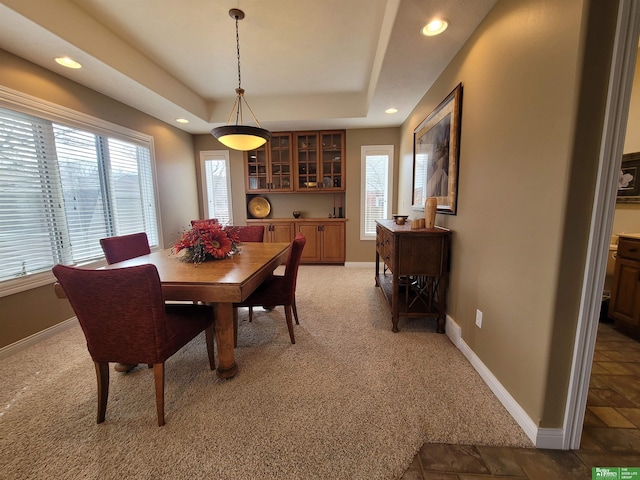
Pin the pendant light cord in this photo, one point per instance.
(238, 50)
(237, 106)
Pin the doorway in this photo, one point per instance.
(621, 80)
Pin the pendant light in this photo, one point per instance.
(238, 136)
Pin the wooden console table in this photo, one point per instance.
(415, 270)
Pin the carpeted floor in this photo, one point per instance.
(351, 400)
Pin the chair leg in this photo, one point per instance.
(295, 311)
(287, 314)
(210, 335)
(102, 376)
(158, 376)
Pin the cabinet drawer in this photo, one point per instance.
(629, 248)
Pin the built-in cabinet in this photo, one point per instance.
(319, 158)
(325, 237)
(325, 241)
(412, 270)
(269, 168)
(297, 162)
(624, 305)
(279, 231)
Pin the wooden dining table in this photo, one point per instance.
(218, 282)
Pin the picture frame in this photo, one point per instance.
(436, 155)
(629, 181)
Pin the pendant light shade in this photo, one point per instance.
(241, 137)
(238, 136)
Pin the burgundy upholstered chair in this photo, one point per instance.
(278, 289)
(205, 221)
(124, 319)
(249, 233)
(124, 247)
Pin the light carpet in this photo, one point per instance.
(350, 400)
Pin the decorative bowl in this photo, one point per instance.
(259, 207)
(400, 219)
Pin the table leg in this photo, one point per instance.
(227, 367)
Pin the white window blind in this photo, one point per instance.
(376, 175)
(62, 188)
(217, 185)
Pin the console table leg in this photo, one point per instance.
(394, 320)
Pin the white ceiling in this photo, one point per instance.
(306, 64)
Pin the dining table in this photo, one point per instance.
(220, 283)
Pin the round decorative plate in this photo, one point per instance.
(259, 207)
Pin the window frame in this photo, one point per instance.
(367, 151)
(215, 155)
(29, 105)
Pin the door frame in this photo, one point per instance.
(611, 149)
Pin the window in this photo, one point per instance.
(216, 185)
(63, 186)
(376, 177)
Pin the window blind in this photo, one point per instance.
(63, 188)
(376, 191)
(218, 192)
(376, 168)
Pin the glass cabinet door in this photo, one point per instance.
(307, 159)
(331, 161)
(280, 163)
(257, 172)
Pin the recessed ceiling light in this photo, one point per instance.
(391, 110)
(435, 27)
(182, 120)
(67, 62)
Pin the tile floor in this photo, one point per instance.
(610, 438)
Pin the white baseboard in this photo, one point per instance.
(37, 337)
(552, 438)
(541, 437)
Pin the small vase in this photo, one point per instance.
(430, 207)
(296, 214)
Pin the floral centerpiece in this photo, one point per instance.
(207, 241)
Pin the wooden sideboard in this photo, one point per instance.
(415, 270)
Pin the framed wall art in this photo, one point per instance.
(436, 153)
(629, 183)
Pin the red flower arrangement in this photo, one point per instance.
(207, 241)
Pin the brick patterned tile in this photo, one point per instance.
(451, 459)
(611, 417)
(631, 414)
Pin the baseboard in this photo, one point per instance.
(541, 438)
(37, 337)
(552, 438)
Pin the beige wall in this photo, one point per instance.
(365, 250)
(521, 77)
(26, 313)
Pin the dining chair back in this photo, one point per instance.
(248, 233)
(123, 247)
(278, 290)
(124, 319)
(207, 221)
